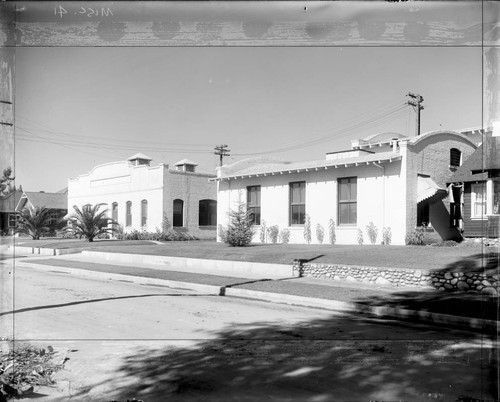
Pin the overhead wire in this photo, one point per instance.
(383, 119)
(385, 114)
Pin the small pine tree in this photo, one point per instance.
(240, 230)
(273, 232)
(331, 231)
(386, 236)
(307, 229)
(360, 237)
(372, 232)
(263, 232)
(320, 233)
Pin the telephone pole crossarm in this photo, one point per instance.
(222, 151)
(416, 101)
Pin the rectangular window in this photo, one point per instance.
(347, 201)
(496, 197)
(144, 213)
(12, 220)
(297, 203)
(253, 203)
(478, 200)
(128, 214)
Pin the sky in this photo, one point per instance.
(76, 108)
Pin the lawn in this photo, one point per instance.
(411, 257)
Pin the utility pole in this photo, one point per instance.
(416, 103)
(222, 151)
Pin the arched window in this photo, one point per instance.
(178, 218)
(114, 211)
(128, 214)
(455, 157)
(144, 213)
(207, 213)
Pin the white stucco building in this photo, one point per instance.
(138, 195)
(388, 179)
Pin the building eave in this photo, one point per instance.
(329, 165)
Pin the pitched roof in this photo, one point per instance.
(274, 167)
(486, 157)
(49, 200)
(139, 156)
(8, 202)
(185, 162)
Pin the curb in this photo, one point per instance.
(212, 289)
(424, 317)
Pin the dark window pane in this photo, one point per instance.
(354, 190)
(455, 157)
(178, 219)
(344, 213)
(207, 213)
(352, 213)
(343, 191)
(128, 218)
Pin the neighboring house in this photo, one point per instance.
(8, 212)
(475, 188)
(139, 196)
(56, 202)
(388, 179)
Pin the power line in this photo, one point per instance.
(376, 121)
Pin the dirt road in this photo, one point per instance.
(125, 340)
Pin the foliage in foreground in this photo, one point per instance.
(166, 233)
(23, 367)
(34, 222)
(415, 238)
(159, 235)
(90, 223)
(240, 230)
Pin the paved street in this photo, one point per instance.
(126, 340)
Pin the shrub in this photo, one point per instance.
(415, 238)
(320, 233)
(220, 231)
(169, 235)
(284, 236)
(331, 231)
(386, 236)
(372, 232)
(445, 243)
(272, 233)
(263, 232)
(120, 233)
(360, 237)
(240, 230)
(165, 224)
(307, 229)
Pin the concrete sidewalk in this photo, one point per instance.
(463, 310)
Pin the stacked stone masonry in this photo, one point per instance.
(475, 282)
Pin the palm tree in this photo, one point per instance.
(34, 222)
(89, 222)
(5, 181)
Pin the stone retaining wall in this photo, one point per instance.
(473, 281)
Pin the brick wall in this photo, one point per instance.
(190, 188)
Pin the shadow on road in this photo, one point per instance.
(342, 358)
(454, 302)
